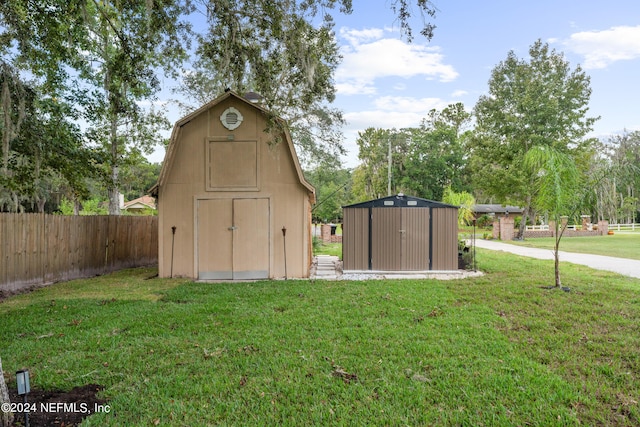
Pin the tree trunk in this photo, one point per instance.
(556, 256)
(556, 252)
(41, 202)
(6, 418)
(526, 213)
(523, 223)
(114, 184)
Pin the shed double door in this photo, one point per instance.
(400, 239)
(233, 239)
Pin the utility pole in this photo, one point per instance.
(389, 169)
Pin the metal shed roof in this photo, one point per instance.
(400, 201)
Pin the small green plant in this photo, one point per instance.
(464, 201)
(467, 260)
(66, 206)
(462, 246)
(484, 221)
(93, 206)
(465, 254)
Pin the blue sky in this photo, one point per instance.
(386, 82)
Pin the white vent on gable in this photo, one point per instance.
(231, 118)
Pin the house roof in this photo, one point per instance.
(496, 209)
(177, 128)
(400, 201)
(140, 203)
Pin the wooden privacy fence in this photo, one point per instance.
(38, 248)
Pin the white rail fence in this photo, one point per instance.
(614, 227)
(624, 227)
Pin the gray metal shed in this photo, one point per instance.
(400, 233)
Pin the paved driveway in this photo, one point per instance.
(626, 267)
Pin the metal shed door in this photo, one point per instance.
(386, 239)
(400, 239)
(233, 239)
(415, 238)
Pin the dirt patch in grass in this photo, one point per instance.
(4, 294)
(59, 408)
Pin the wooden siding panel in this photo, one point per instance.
(233, 165)
(215, 239)
(251, 239)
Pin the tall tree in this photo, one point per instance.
(376, 177)
(273, 48)
(285, 51)
(42, 149)
(623, 153)
(333, 188)
(424, 160)
(107, 53)
(126, 42)
(16, 98)
(436, 153)
(539, 102)
(138, 175)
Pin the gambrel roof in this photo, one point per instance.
(177, 128)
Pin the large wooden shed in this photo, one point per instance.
(226, 191)
(400, 233)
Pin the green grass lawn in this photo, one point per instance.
(495, 350)
(329, 249)
(622, 245)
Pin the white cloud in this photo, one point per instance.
(393, 112)
(355, 37)
(355, 87)
(602, 48)
(368, 56)
(400, 86)
(459, 93)
(409, 105)
(382, 119)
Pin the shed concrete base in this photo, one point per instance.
(327, 267)
(439, 275)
